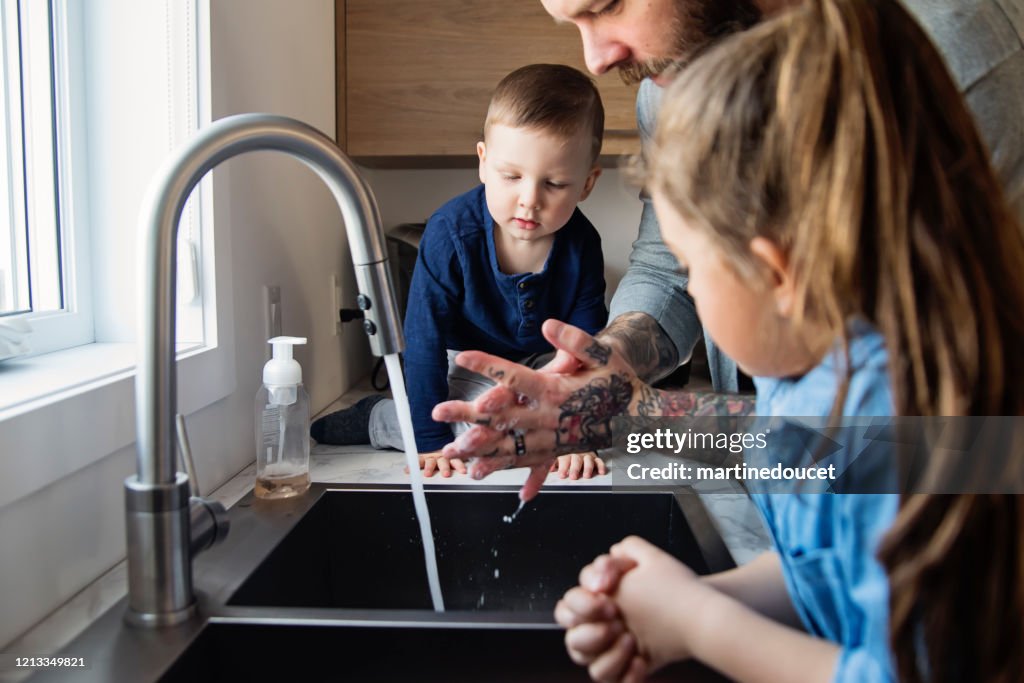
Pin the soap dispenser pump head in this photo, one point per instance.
(282, 372)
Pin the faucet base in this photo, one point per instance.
(159, 560)
(150, 620)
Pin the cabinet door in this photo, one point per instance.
(419, 73)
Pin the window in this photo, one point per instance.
(94, 96)
(129, 83)
(30, 236)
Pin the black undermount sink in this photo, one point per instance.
(386, 654)
(331, 586)
(351, 575)
(362, 550)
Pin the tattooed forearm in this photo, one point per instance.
(651, 402)
(696, 403)
(644, 345)
(585, 422)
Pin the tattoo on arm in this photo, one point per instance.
(726, 407)
(654, 403)
(585, 422)
(648, 403)
(644, 345)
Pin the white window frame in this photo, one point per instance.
(63, 318)
(64, 410)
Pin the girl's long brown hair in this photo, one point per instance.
(835, 131)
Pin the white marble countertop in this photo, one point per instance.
(732, 512)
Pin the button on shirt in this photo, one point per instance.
(459, 299)
(827, 543)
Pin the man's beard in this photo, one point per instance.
(697, 25)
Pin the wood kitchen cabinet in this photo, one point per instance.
(415, 76)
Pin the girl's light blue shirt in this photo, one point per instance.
(828, 542)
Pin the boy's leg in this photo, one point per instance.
(463, 385)
(350, 426)
(385, 429)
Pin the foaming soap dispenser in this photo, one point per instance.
(282, 425)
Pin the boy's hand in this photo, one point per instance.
(575, 465)
(435, 462)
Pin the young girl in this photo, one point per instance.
(849, 245)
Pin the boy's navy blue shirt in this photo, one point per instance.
(459, 299)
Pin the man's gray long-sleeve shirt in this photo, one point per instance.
(982, 42)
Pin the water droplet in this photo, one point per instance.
(508, 519)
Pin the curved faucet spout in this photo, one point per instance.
(156, 390)
(154, 491)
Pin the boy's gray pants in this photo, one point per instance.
(463, 385)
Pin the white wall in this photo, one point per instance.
(276, 225)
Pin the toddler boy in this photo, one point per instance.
(497, 261)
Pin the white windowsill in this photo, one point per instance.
(39, 381)
(62, 411)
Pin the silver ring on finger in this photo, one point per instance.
(519, 441)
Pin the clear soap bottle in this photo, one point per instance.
(282, 425)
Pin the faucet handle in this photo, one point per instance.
(185, 452)
(208, 524)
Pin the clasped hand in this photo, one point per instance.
(630, 613)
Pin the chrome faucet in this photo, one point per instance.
(165, 528)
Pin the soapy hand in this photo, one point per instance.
(549, 413)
